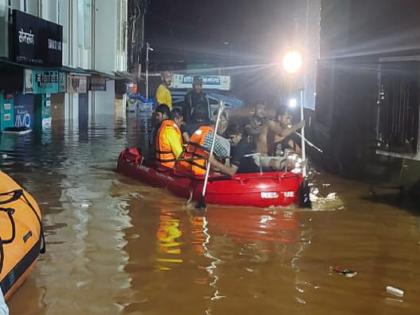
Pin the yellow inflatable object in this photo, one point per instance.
(21, 235)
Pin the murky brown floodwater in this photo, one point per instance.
(116, 246)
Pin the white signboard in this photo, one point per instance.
(210, 82)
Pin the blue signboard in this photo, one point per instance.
(41, 82)
(213, 82)
(6, 112)
(24, 111)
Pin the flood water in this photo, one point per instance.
(115, 246)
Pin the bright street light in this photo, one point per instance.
(292, 103)
(292, 64)
(292, 61)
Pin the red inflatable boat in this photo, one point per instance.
(250, 189)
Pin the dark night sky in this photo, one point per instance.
(208, 31)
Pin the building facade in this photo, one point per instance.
(367, 107)
(91, 43)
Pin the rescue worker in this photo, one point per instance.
(158, 116)
(196, 155)
(163, 95)
(168, 143)
(194, 99)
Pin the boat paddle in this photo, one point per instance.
(202, 200)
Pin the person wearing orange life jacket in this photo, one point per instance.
(196, 154)
(168, 144)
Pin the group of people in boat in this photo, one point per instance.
(183, 137)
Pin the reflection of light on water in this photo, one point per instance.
(168, 245)
(212, 268)
(265, 219)
(305, 241)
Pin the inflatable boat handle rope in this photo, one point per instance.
(10, 212)
(17, 194)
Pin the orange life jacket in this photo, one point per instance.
(164, 154)
(196, 156)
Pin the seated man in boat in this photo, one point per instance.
(244, 159)
(197, 151)
(160, 112)
(200, 117)
(257, 122)
(168, 143)
(281, 144)
(274, 129)
(276, 142)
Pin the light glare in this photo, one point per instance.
(292, 62)
(292, 103)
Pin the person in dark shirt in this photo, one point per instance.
(242, 151)
(194, 99)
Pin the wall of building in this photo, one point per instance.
(354, 36)
(355, 28)
(109, 55)
(94, 37)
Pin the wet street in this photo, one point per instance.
(115, 246)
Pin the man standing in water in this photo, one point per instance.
(163, 95)
(194, 99)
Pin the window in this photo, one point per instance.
(52, 10)
(84, 23)
(122, 25)
(81, 23)
(63, 17)
(398, 107)
(32, 7)
(88, 23)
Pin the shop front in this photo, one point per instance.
(30, 74)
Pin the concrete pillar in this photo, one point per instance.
(104, 101)
(71, 109)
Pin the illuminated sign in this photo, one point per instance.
(210, 82)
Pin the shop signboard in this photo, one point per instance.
(97, 83)
(40, 82)
(35, 41)
(46, 117)
(76, 83)
(24, 111)
(210, 82)
(6, 111)
(42, 115)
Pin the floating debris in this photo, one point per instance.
(331, 196)
(346, 272)
(313, 197)
(394, 291)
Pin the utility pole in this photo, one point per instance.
(148, 48)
